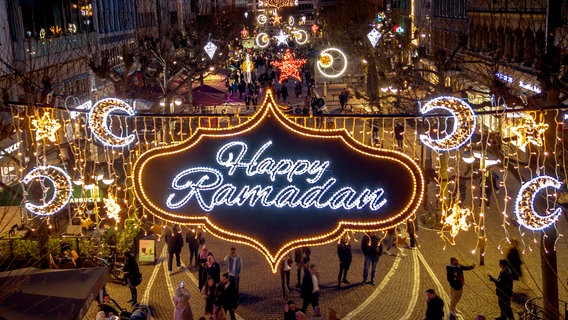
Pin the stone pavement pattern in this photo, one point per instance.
(399, 293)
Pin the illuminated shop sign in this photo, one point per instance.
(10, 149)
(522, 84)
(278, 3)
(275, 185)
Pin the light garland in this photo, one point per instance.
(247, 65)
(262, 40)
(463, 128)
(289, 66)
(374, 36)
(332, 63)
(524, 204)
(98, 117)
(291, 21)
(530, 132)
(281, 38)
(62, 189)
(46, 127)
(228, 156)
(210, 48)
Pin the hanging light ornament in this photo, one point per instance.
(244, 33)
(456, 219)
(261, 19)
(60, 189)
(262, 40)
(301, 36)
(281, 38)
(524, 205)
(113, 208)
(374, 36)
(289, 66)
(210, 49)
(464, 123)
(530, 131)
(46, 127)
(332, 63)
(98, 118)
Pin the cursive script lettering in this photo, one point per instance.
(209, 189)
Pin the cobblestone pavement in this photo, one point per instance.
(400, 283)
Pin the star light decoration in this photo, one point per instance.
(46, 127)
(457, 219)
(530, 131)
(374, 36)
(210, 49)
(289, 66)
(277, 19)
(113, 208)
(282, 38)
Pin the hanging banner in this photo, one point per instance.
(275, 185)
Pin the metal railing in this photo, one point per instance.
(534, 310)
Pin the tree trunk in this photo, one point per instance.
(548, 263)
(372, 85)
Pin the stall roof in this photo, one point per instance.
(64, 294)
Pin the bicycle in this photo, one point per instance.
(115, 268)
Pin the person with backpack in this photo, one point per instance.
(372, 250)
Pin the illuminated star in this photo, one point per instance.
(46, 127)
(282, 38)
(277, 19)
(210, 49)
(457, 219)
(112, 208)
(289, 66)
(530, 131)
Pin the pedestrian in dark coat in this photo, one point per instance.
(435, 309)
(192, 238)
(342, 100)
(372, 250)
(212, 268)
(454, 274)
(514, 259)
(310, 287)
(284, 92)
(133, 276)
(228, 295)
(504, 290)
(301, 257)
(174, 240)
(345, 257)
(399, 134)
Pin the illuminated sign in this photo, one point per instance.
(10, 149)
(275, 185)
(278, 3)
(522, 84)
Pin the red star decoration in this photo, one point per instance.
(289, 66)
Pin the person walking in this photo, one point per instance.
(174, 240)
(454, 274)
(234, 265)
(345, 257)
(192, 238)
(513, 257)
(310, 287)
(285, 275)
(212, 268)
(342, 100)
(372, 250)
(301, 257)
(228, 295)
(284, 91)
(133, 276)
(182, 309)
(504, 290)
(209, 293)
(399, 134)
(201, 263)
(435, 306)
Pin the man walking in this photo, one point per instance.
(372, 250)
(192, 238)
(345, 257)
(435, 309)
(504, 290)
(174, 240)
(234, 266)
(228, 295)
(454, 274)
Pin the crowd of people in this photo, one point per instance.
(220, 290)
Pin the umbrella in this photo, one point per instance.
(62, 294)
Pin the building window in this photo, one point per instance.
(48, 18)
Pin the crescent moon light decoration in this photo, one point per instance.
(62, 189)
(261, 19)
(332, 63)
(524, 205)
(464, 123)
(98, 117)
(300, 36)
(262, 40)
